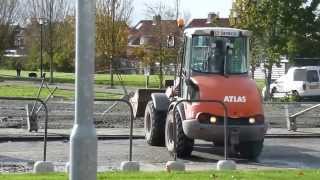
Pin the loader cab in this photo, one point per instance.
(212, 51)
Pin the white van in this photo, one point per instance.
(298, 81)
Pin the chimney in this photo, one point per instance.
(212, 16)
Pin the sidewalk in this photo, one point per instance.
(10, 134)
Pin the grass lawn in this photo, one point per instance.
(59, 77)
(31, 91)
(128, 80)
(260, 83)
(206, 175)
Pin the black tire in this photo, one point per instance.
(296, 96)
(250, 150)
(218, 144)
(184, 144)
(154, 125)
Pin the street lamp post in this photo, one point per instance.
(83, 139)
(41, 21)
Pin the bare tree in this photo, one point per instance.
(112, 20)
(162, 15)
(8, 14)
(166, 11)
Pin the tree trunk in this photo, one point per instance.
(253, 68)
(268, 75)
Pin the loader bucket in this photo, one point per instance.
(140, 100)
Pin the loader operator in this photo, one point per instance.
(216, 59)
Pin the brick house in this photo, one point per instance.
(150, 36)
(213, 20)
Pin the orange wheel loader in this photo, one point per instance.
(213, 65)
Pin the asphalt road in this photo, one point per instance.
(277, 153)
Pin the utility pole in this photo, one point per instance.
(83, 138)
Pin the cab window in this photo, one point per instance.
(300, 75)
(312, 76)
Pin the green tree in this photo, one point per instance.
(278, 27)
(112, 31)
(244, 15)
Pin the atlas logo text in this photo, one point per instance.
(235, 99)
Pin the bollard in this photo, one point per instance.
(129, 166)
(292, 124)
(43, 167)
(291, 120)
(32, 120)
(288, 120)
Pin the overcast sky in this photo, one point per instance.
(197, 8)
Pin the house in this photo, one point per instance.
(16, 43)
(151, 35)
(146, 32)
(278, 70)
(213, 20)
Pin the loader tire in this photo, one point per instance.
(250, 150)
(154, 125)
(184, 145)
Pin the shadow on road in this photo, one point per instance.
(278, 156)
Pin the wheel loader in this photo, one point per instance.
(214, 65)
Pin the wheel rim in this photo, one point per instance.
(148, 123)
(169, 134)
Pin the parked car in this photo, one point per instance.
(300, 82)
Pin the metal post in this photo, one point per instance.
(226, 133)
(286, 112)
(131, 131)
(83, 139)
(41, 58)
(112, 44)
(51, 40)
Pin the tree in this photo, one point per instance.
(244, 15)
(112, 30)
(306, 32)
(275, 26)
(53, 13)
